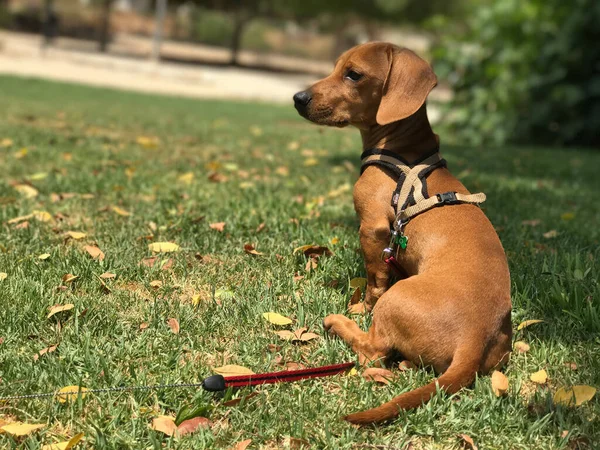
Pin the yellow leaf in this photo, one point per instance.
(196, 299)
(6, 142)
(256, 131)
(334, 240)
(19, 219)
(44, 256)
(95, 252)
(21, 429)
(3, 276)
(163, 247)
(539, 377)
(121, 211)
(42, 216)
(527, 323)
(21, 153)
(339, 191)
(186, 178)
(574, 396)
(147, 141)
(26, 191)
(232, 370)
(60, 308)
(38, 176)
(567, 216)
(309, 162)
(352, 372)
(277, 319)
(70, 393)
(69, 277)
(66, 445)
(77, 235)
(164, 424)
(499, 383)
(358, 283)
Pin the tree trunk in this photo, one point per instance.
(159, 23)
(104, 26)
(241, 20)
(50, 23)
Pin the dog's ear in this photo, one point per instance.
(408, 82)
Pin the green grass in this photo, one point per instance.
(83, 140)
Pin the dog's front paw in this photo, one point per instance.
(330, 322)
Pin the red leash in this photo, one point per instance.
(217, 383)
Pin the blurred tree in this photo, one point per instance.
(526, 71)
(104, 34)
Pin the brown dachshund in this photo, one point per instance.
(451, 308)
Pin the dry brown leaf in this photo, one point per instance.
(499, 383)
(26, 190)
(219, 226)
(532, 223)
(358, 308)
(43, 351)
(356, 296)
(570, 365)
(144, 325)
(164, 424)
(120, 211)
(521, 347)
(310, 250)
(305, 337)
(156, 284)
(378, 375)
(295, 443)
(59, 308)
(69, 278)
(285, 334)
(173, 325)
(237, 401)
(260, 227)
(311, 264)
(108, 276)
(191, 425)
(242, 445)
(468, 441)
(95, 252)
(539, 377)
(232, 370)
(249, 248)
(550, 234)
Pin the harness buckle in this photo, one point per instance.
(448, 198)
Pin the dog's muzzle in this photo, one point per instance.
(301, 101)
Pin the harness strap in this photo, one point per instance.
(410, 197)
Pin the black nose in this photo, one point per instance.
(302, 98)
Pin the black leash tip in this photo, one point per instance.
(214, 383)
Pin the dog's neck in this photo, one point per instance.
(410, 138)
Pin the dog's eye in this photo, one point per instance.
(352, 75)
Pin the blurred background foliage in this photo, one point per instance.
(525, 71)
(517, 71)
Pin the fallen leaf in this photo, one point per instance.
(237, 401)
(108, 276)
(77, 235)
(550, 234)
(468, 441)
(156, 284)
(120, 211)
(186, 178)
(574, 396)
(571, 365)
(249, 248)
(144, 325)
(68, 277)
(309, 162)
(148, 141)
(66, 445)
(242, 445)
(260, 227)
(311, 264)
(219, 226)
(69, 393)
(521, 347)
(539, 377)
(526, 323)
(191, 425)
(26, 190)
(378, 375)
(311, 250)
(173, 325)
(43, 351)
(352, 372)
(356, 296)
(232, 370)
(499, 383)
(60, 308)
(44, 256)
(531, 223)
(358, 283)
(6, 142)
(305, 337)
(95, 252)
(285, 334)
(38, 176)
(357, 308)
(567, 216)
(277, 319)
(20, 428)
(163, 247)
(164, 424)
(334, 240)
(3, 276)
(295, 443)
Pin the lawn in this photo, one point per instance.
(128, 170)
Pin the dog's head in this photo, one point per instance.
(372, 84)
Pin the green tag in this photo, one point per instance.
(402, 241)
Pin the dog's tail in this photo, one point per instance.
(460, 373)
